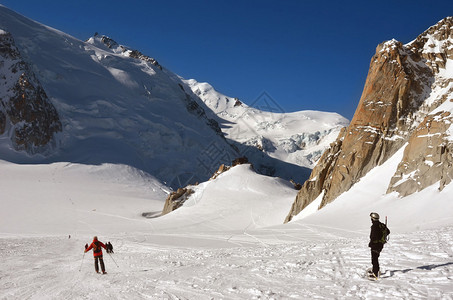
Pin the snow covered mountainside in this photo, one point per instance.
(107, 103)
(298, 137)
(115, 105)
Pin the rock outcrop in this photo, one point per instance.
(428, 157)
(176, 199)
(112, 44)
(400, 91)
(26, 113)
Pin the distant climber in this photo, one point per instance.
(97, 246)
(378, 237)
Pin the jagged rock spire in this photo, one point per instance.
(396, 98)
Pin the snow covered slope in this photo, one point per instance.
(61, 198)
(115, 105)
(225, 249)
(237, 199)
(298, 137)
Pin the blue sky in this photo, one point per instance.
(307, 55)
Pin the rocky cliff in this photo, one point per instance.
(405, 84)
(26, 114)
(428, 158)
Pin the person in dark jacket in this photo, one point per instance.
(377, 241)
(97, 246)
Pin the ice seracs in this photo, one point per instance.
(296, 137)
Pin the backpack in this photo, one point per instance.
(385, 233)
(96, 247)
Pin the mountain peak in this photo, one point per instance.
(441, 31)
(435, 45)
(104, 42)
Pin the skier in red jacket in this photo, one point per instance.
(97, 253)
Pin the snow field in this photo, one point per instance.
(226, 243)
(415, 266)
(64, 198)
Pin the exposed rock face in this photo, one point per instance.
(196, 109)
(428, 157)
(222, 169)
(237, 102)
(176, 199)
(111, 44)
(399, 92)
(240, 161)
(26, 113)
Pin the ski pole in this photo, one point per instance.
(80, 269)
(113, 260)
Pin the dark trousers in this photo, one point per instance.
(376, 249)
(101, 261)
(375, 261)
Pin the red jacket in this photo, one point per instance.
(96, 246)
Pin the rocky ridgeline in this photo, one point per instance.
(26, 114)
(405, 84)
(196, 109)
(192, 105)
(111, 44)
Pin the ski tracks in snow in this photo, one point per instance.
(415, 266)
